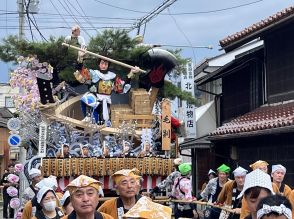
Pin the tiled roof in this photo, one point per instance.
(262, 118)
(284, 14)
(5, 113)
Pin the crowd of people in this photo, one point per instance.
(81, 197)
(249, 195)
(253, 195)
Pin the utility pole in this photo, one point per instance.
(22, 151)
(152, 14)
(21, 13)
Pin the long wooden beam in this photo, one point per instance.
(102, 57)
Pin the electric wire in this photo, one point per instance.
(183, 33)
(78, 13)
(175, 14)
(37, 28)
(61, 27)
(28, 16)
(85, 15)
(30, 27)
(144, 20)
(183, 13)
(66, 15)
(59, 13)
(6, 18)
(125, 9)
(57, 20)
(73, 16)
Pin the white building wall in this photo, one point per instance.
(6, 93)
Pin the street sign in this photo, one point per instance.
(14, 140)
(13, 124)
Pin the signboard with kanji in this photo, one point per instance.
(42, 139)
(166, 124)
(189, 117)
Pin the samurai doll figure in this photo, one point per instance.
(102, 82)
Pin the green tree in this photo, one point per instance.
(59, 57)
(115, 44)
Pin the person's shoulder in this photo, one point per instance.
(5, 175)
(111, 74)
(229, 183)
(106, 216)
(67, 38)
(176, 173)
(287, 187)
(65, 217)
(291, 195)
(185, 180)
(113, 200)
(108, 203)
(275, 188)
(214, 180)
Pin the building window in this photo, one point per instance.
(9, 102)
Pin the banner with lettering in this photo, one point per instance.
(166, 124)
(189, 117)
(42, 139)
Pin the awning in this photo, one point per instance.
(197, 143)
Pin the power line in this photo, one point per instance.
(60, 21)
(28, 16)
(183, 13)
(125, 9)
(6, 17)
(29, 28)
(216, 10)
(179, 13)
(152, 14)
(33, 22)
(187, 46)
(180, 29)
(67, 15)
(73, 16)
(60, 14)
(62, 27)
(78, 13)
(37, 28)
(85, 15)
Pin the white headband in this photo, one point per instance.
(278, 167)
(281, 210)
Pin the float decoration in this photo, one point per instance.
(131, 140)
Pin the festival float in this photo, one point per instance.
(64, 142)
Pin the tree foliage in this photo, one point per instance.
(115, 44)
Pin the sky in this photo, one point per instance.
(197, 23)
